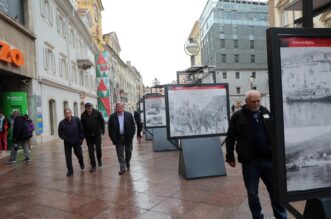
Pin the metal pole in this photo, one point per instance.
(307, 13)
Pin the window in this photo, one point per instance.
(251, 30)
(252, 58)
(235, 44)
(81, 78)
(254, 74)
(61, 26)
(251, 44)
(236, 58)
(237, 75)
(221, 29)
(222, 43)
(63, 67)
(65, 105)
(223, 58)
(49, 60)
(74, 75)
(224, 75)
(234, 29)
(238, 90)
(47, 11)
(75, 109)
(71, 37)
(96, 13)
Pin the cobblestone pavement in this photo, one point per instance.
(152, 189)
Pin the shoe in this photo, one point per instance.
(92, 169)
(100, 163)
(27, 159)
(128, 165)
(70, 173)
(121, 172)
(10, 161)
(82, 166)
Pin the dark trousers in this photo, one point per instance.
(123, 159)
(139, 129)
(68, 152)
(92, 141)
(252, 172)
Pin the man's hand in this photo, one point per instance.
(232, 163)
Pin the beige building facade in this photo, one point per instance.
(279, 16)
(195, 35)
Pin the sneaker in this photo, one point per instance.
(27, 159)
(10, 161)
(70, 173)
(121, 172)
(128, 165)
(100, 163)
(82, 166)
(93, 169)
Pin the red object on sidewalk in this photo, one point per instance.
(3, 140)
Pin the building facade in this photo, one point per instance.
(94, 9)
(125, 80)
(195, 35)
(233, 40)
(17, 58)
(279, 16)
(65, 63)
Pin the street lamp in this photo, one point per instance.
(251, 80)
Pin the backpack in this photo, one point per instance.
(26, 131)
(31, 125)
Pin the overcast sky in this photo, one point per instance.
(152, 33)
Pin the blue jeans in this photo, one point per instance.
(252, 172)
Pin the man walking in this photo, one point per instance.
(94, 126)
(71, 131)
(121, 130)
(138, 123)
(21, 136)
(250, 130)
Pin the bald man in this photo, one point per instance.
(121, 128)
(249, 130)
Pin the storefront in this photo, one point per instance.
(17, 64)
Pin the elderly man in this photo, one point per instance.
(94, 126)
(71, 132)
(121, 128)
(249, 130)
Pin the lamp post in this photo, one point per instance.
(192, 48)
(251, 80)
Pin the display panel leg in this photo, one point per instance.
(318, 208)
(201, 157)
(148, 134)
(160, 141)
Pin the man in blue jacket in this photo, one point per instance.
(121, 128)
(71, 131)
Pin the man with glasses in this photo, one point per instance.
(250, 131)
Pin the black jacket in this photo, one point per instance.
(71, 132)
(240, 133)
(93, 124)
(21, 130)
(114, 128)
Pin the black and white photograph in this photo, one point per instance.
(197, 110)
(306, 86)
(155, 115)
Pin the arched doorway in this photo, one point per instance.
(82, 107)
(52, 116)
(75, 109)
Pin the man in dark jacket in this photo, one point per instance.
(138, 123)
(250, 130)
(121, 130)
(21, 136)
(71, 131)
(94, 126)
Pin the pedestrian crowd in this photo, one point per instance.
(248, 133)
